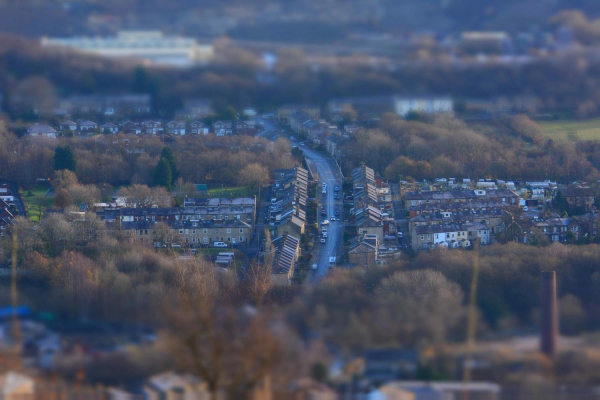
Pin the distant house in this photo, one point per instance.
(245, 128)
(131, 128)
(87, 126)
(579, 197)
(223, 128)
(38, 130)
(388, 364)
(176, 128)
(363, 255)
(429, 105)
(109, 128)
(68, 126)
(152, 128)
(198, 128)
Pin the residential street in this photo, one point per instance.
(327, 172)
(330, 174)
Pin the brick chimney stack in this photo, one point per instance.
(549, 314)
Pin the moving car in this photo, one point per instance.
(325, 222)
(337, 189)
(323, 240)
(337, 212)
(332, 218)
(324, 234)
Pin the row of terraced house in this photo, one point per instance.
(287, 220)
(457, 218)
(149, 127)
(199, 223)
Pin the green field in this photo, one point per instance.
(571, 130)
(233, 191)
(30, 197)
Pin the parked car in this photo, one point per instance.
(325, 222)
(337, 212)
(219, 244)
(176, 246)
(337, 189)
(323, 240)
(324, 234)
(332, 218)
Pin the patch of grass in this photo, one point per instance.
(571, 130)
(31, 195)
(231, 191)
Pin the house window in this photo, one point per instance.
(141, 232)
(181, 231)
(187, 231)
(205, 239)
(146, 231)
(228, 230)
(193, 231)
(428, 237)
(228, 239)
(205, 231)
(422, 237)
(241, 238)
(241, 230)
(153, 218)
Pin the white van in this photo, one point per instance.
(331, 261)
(219, 244)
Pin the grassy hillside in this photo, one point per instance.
(572, 130)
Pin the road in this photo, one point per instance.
(327, 172)
(330, 174)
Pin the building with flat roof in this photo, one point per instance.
(151, 47)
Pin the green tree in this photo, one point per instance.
(229, 114)
(162, 174)
(64, 158)
(318, 371)
(562, 204)
(167, 154)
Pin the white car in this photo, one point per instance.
(326, 222)
(323, 240)
(219, 244)
(324, 234)
(332, 218)
(176, 246)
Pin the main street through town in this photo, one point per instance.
(325, 170)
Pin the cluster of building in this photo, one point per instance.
(456, 216)
(287, 219)
(148, 127)
(373, 213)
(148, 47)
(7, 204)
(201, 222)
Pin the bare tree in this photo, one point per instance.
(253, 176)
(230, 348)
(259, 274)
(144, 196)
